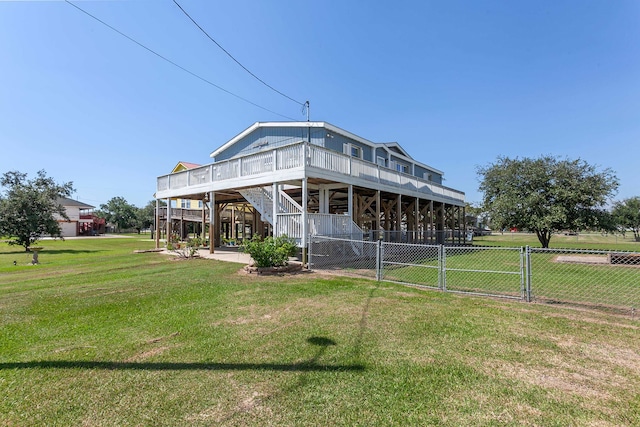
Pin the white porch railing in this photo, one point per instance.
(333, 225)
(293, 156)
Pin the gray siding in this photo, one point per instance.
(400, 162)
(268, 138)
(336, 143)
(422, 173)
(382, 153)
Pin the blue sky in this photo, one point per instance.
(456, 83)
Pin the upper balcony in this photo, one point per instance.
(299, 160)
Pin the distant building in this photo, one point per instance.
(82, 221)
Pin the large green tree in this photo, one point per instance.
(28, 207)
(546, 195)
(119, 212)
(626, 215)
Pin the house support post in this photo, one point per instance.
(416, 221)
(350, 201)
(378, 214)
(169, 219)
(212, 221)
(204, 220)
(275, 209)
(399, 218)
(305, 222)
(431, 222)
(157, 224)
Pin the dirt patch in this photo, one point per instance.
(587, 314)
(582, 259)
(253, 403)
(146, 354)
(154, 340)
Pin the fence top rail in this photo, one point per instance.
(485, 248)
(585, 251)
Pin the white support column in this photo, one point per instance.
(275, 209)
(305, 221)
(321, 201)
(325, 200)
(212, 221)
(350, 201)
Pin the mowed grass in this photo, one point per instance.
(580, 241)
(496, 271)
(99, 336)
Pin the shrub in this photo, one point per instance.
(270, 252)
(188, 249)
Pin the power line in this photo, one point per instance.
(235, 60)
(175, 64)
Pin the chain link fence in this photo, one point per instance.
(350, 257)
(596, 279)
(607, 280)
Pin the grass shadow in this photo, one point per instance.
(310, 366)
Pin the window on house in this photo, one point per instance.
(199, 204)
(352, 150)
(381, 161)
(356, 151)
(184, 204)
(401, 168)
(427, 176)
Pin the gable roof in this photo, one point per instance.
(66, 202)
(396, 148)
(391, 146)
(181, 166)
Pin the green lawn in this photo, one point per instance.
(579, 241)
(99, 336)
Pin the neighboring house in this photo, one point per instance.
(185, 203)
(305, 178)
(81, 222)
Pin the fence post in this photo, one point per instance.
(442, 271)
(379, 260)
(527, 257)
(310, 253)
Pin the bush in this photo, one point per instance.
(188, 249)
(270, 252)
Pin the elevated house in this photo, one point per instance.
(313, 178)
(81, 222)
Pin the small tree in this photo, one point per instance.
(28, 209)
(546, 195)
(270, 252)
(626, 215)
